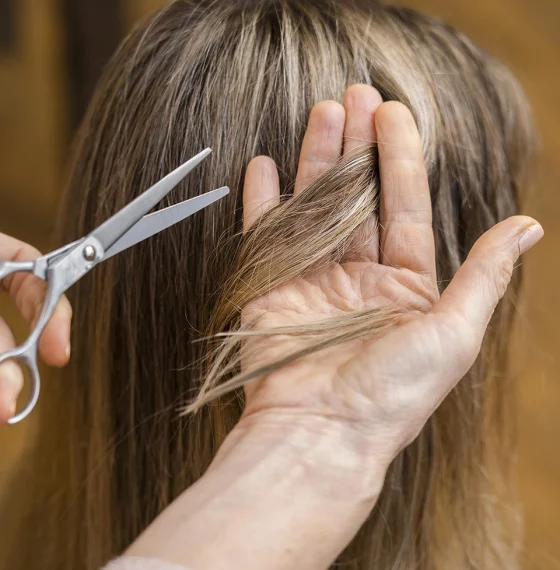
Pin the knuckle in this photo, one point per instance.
(26, 253)
(493, 273)
(28, 294)
(497, 272)
(503, 277)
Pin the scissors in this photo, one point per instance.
(62, 268)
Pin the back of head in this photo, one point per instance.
(241, 76)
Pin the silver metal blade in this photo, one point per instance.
(154, 223)
(110, 231)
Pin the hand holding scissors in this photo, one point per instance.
(62, 268)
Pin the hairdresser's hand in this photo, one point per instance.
(384, 388)
(27, 292)
(296, 478)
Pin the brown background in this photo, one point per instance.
(50, 55)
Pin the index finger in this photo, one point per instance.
(407, 238)
(28, 293)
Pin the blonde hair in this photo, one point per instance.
(241, 76)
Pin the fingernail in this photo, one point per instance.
(530, 237)
(67, 351)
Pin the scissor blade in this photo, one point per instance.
(154, 223)
(110, 231)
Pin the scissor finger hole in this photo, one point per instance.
(15, 374)
(16, 384)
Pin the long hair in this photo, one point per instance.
(241, 77)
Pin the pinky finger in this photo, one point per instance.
(261, 190)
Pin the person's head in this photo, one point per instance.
(241, 77)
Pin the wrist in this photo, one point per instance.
(337, 457)
(285, 490)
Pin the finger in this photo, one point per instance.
(322, 143)
(28, 293)
(360, 103)
(482, 280)
(407, 238)
(54, 344)
(261, 190)
(11, 376)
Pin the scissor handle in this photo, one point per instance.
(38, 267)
(9, 267)
(27, 352)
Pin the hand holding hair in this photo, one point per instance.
(299, 474)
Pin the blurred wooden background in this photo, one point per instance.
(50, 55)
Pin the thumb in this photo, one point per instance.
(482, 280)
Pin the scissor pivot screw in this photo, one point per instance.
(89, 253)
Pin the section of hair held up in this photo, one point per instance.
(328, 222)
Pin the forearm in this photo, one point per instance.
(279, 495)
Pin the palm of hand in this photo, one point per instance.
(343, 288)
(314, 384)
